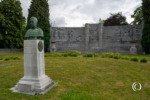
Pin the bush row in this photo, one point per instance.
(104, 55)
(10, 58)
(125, 57)
(64, 54)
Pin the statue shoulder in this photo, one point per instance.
(40, 31)
(28, 33)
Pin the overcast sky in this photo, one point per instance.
(75, 13)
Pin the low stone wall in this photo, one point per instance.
(120, 39)
(97, 38)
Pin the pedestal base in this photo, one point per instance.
(34, 81)
(33, 86)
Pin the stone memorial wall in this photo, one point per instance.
(97, 38)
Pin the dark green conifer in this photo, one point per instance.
(146, 30)
(12, 24)
(40, 10)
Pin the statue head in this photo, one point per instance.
(31, 33)
(33, 22)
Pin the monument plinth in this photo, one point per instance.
(34, 81)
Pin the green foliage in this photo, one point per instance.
(134, 59)
(111, 55)
(108, 55)
(64, 54)
(103, 55)
(40, 10)
(10, 58)
(143, 60)
(11, 24)
(138, 16)
(115, 19)
(119, 56)
(125, 57)
(116, 57)
(90, 55)
(146, 30)
(53, 55)
(71, 54)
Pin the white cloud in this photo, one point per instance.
(25, 5)
(78, 12)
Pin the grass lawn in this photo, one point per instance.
(80, 78)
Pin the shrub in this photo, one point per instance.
(11, 58)
(116, 56)
(6, 59)
(88, 55)
(91, 55)
(53, 55)
(143, 60)
(134, 59)
(108, 55)
(111, 55)
(125, 57)
(14, 58)
(71, 54)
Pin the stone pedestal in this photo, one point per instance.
(34, 81)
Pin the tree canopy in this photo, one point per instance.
(115, 19)
(11, 24)
(146, 30)
(138, 16)
(40, 10)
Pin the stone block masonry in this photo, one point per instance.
(97, 38)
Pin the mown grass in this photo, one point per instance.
(80, 78)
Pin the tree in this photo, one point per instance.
(11, 24)
(115, 19)
(146, 29)
(40, 10)
(138, 16)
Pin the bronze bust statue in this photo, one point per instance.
(34, 32)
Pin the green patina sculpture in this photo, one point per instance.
(34, 32)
